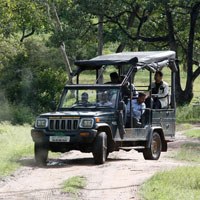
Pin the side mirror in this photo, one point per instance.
(53, 106)
(121, 105)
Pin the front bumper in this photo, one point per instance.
(81, 136)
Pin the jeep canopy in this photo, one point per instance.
(154, 59)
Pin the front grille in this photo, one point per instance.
(63, 124)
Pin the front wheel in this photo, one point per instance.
(100, 148)
(153, 153)
(41, 154)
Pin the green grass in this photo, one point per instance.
(188, 152)
(195, 133)
(74, 184)
(187, 114)
(15, 143)
(182, 183)
(182, 127)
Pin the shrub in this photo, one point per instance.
(188, 113)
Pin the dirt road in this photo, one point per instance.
(118, 179)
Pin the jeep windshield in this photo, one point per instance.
(88, 98)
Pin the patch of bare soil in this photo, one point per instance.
(118, 179)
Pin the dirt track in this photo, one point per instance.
(118, 179)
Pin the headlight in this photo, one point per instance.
(41, 123)
(86, 123)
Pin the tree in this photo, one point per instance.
(57, 27)
(159, 25)
(24, 16)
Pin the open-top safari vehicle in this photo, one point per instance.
(83, 121)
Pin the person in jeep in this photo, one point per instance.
(138, 108)
(160, 91)
(104, 100)
(84, 98)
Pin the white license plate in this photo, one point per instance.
(59, 138)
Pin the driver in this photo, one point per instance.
(84, 98)
(104, 100)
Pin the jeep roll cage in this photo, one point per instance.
(149, 60)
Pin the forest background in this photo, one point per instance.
(41, 39)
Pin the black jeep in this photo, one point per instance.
(92, 118)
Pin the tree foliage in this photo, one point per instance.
(36, 77)
(35, 69)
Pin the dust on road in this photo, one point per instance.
(118, 179)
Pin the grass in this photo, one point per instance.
(73, 185)
(187, 114)
(195, 133)
(15, 143)
(183, 127)
(182, 183)
(188, 152)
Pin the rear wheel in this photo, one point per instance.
(100, 148)
(41, 154)
(153, 153)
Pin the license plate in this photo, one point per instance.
(59, 138)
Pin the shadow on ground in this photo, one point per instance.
(60, 163)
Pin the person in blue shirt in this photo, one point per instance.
(138, 108)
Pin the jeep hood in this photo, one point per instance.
(76, 113)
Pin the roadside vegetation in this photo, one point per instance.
(180, 183)
(188, 152)
(195, 133)
(15, 143)
(188, 114)
(183, 127)
(73, 185)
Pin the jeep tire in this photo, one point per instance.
(153, 153)
(41, 154)
(100, 148)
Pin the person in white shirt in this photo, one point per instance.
(160, 91)
(138, 108)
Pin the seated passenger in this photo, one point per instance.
(104, 100)
(160, 91)
(114, 77)
(138, 107)
(127, 88)
(84, 98)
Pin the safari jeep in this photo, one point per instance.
(92, 117)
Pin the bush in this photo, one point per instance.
(21, 115)
(188, 113)
(36, 75)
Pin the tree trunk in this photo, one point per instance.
(182, 96)
(187, 94)
(129, 25)
(100, 44)
(57, 26)
(66, 61)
